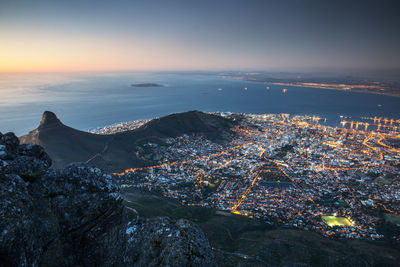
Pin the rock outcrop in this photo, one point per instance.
(75, 217)
(168, 243)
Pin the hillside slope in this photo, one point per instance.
(116, 152)
(241, 241)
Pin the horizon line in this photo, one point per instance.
(277, 70)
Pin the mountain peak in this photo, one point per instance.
(49, 118)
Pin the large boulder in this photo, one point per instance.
(165, 242)
(75, 217)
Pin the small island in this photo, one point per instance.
(147, 85)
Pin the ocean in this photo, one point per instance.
(91, 100)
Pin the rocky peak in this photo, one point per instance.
(75, 217)
(49, 119)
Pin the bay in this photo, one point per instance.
(90, 100)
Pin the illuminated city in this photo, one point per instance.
(286, 170)
(209, 133)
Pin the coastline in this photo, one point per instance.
(319, 87)
(334, 88)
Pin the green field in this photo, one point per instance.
(395, 219)
(337, 221)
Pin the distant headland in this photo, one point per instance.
(366, 84)
(147, 85)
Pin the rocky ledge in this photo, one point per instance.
(75, 217)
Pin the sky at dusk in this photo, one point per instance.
(51, 35)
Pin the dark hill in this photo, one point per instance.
(213, 127)
(64, 144)
(117, 152)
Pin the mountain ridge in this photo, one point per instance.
(116, 152)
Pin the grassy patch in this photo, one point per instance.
(392, 218)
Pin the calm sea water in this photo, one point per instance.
(89, 100)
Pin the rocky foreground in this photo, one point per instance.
(75, 217)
